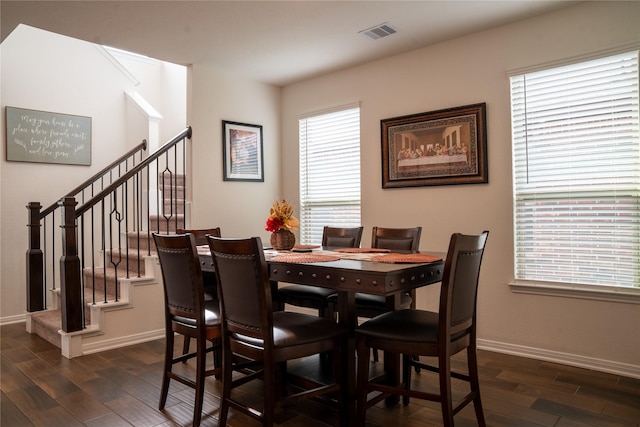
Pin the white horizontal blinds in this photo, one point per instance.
(576, 163)
(329, 173)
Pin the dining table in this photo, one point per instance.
(349, 271)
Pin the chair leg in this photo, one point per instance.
(217, 357)
(270, 384)
(406, 377)
(168, 364)
(227, 371)
(201, 360)
(185, 346)
(446, 399)
(362, 378)
(474, 379)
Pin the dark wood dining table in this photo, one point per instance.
(348, 276)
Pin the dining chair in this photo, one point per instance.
(415, 333)
(400, 239)
(187, 313)
(258, 341)
(200, 235)
(314, 296)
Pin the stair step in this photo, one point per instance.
(171, 179)
(46, 325)
(165, 224)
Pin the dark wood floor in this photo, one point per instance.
(121, 388)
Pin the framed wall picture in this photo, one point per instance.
(242, 152)
(440, 147)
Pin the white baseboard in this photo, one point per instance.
(585, 362)
(122, 341)
(8, 320)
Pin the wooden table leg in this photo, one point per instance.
(347, 316)
(392, 360)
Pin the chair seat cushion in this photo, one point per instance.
(403, 325)
(367, 301)
(211, 315)
(375, 302)
(305, 296)
(291, 328)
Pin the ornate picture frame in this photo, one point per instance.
(242, 152)
(442, 147)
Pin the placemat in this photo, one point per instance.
(361, 250)
(306, 246)
(302, 258)
(406, 258)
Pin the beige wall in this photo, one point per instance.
(240, 209)
(465, 71)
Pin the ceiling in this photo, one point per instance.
(276, 42)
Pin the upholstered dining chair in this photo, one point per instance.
(187, 313)
(200, 235)
(258, 341)
(315, 296)
(414, 333)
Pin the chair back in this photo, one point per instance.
(460, 284)
(244, 290)
(181, 276)
(406, 239)
(200, 234)
(342, 237)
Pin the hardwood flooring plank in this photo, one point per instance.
(135, 412)
(578, 415)
(12, 377)
(83, 406)
(10, 415)
(32, 400)
(56, 385)
(55, 417)
(110, 420)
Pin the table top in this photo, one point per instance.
(350, 273)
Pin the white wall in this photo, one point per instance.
(466, 71)
(49, 72)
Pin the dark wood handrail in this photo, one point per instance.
(124, 178)
(95, 177)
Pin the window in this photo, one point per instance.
(576, 165)
(329, 172)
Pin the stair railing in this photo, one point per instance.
(93, 233)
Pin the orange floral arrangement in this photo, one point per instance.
(281, 217)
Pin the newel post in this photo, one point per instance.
(70, 274)
(35, 261)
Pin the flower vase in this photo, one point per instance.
(283, 240)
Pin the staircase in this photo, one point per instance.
(136, 268)
(123, 299)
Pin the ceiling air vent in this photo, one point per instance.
(379, 31)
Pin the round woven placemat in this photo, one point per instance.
(362, 250)
(306, 246)
(406, 258)
(302, 258)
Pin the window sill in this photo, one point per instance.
(593, 292)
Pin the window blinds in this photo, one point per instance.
(329, 173)
(576, 165)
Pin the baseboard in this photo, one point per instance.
(585, 362)
(8, 320)
(122, 341)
